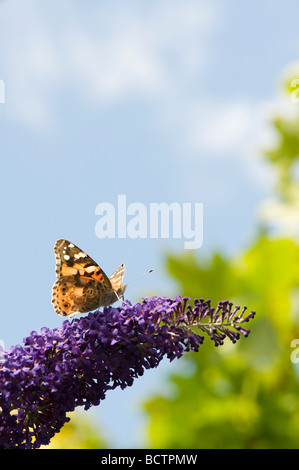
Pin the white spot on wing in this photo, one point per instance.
(90, 269)
(80, 255)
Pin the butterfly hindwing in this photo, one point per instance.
(117, 277)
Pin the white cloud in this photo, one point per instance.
(222, 126)
(282, 218)
(104, 52)
(109, 52)
(114, 68)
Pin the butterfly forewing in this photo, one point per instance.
(81, 284)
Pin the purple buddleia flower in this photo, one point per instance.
(77, 363)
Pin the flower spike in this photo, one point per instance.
(77, 363)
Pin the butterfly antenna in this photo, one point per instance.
(139, 277)
(121, 299)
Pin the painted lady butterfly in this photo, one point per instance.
(81, 284)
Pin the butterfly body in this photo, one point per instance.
(81, 284)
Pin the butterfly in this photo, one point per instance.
(81, 284)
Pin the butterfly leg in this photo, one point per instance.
(120, 298)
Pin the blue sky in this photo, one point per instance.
(163, 101)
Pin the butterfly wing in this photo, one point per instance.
(116, 280)
(81, 284)
(117, 277)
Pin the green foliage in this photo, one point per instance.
(244, 395)
(79, 433)
(285, 153)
